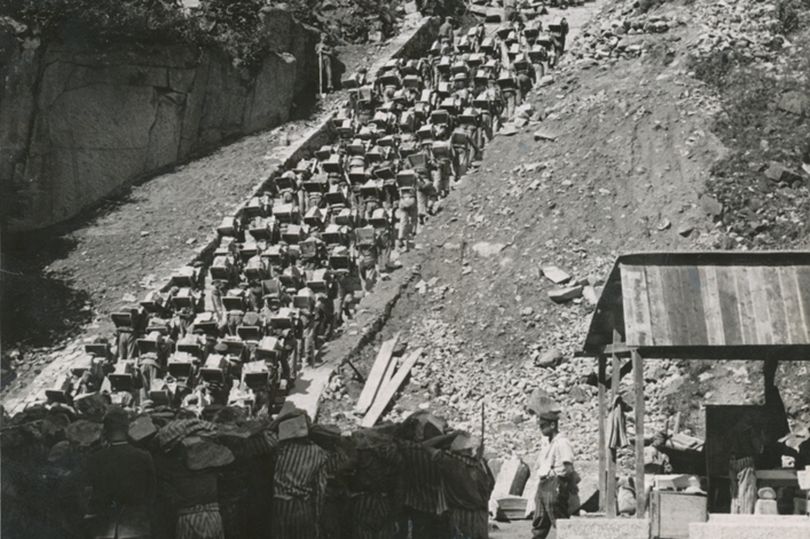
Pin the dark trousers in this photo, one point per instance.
(418, 525)
(550, 503)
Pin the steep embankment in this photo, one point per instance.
(81, 119)
(629, 157)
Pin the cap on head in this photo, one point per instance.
(550, 416)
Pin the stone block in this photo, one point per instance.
(556, 275)
(751, 527)
(562, 295)
(545, 135)
(597, 527)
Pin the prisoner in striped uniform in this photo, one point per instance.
(468, 484)
(193, 494)
(333, 521)
(299, 482)
(372, 485)
(420, 492)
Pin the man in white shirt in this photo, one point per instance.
(555, 468)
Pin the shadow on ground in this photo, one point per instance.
(39, 308)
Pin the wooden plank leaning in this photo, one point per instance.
(385, 394)
(375, 377)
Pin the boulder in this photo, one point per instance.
(549, 358)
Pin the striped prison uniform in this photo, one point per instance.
(468, 484)
(232, 489)
(335, 506)
(371, 502)
(743, 485)
(299, 482)
(421, 492)
(550, 504)
(199, 522)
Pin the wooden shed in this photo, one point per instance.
(694, 305)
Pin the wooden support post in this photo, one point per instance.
(601, 382)
(641, 494)
(611, 453)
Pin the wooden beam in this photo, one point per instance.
(385, 394)
(602, 374)
(593, 379)
(641, 494)
(389, 373)
(376, 375)
(611, 453)
(620, 349)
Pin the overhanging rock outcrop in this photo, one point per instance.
(79, 122)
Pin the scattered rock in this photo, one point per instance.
(673, 386)
(777, 172)
(562, 295)
(686, 229)
(663, 225)
(711, 206)
(486, 249)
(795, 102)
(578, 394)
(544, 135)
(590, 295)
(556, 275)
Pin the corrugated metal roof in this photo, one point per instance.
(705, 300)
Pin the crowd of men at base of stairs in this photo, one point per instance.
(292, 262)
(168, 474)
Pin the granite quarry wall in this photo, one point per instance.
(78, 122)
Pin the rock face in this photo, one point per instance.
(78, 123)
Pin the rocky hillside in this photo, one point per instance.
(645, 140)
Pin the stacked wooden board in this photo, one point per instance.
(383, 382)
